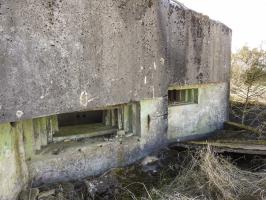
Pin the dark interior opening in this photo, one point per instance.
(95, 123)
(183, 96)
(79, 118)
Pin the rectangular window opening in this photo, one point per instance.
(121, 119)
(183, 96)
(88, 124)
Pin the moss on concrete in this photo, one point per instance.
(5, 140)
(29, 142)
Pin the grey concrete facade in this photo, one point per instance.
(206, 116)
(68, 56)
(65, 56)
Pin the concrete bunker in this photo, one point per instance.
(101, 87)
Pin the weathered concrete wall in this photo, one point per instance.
(153, 119)
(13, 169)
(192, 120)
(64, 56)
(80, 159)
(198, 48)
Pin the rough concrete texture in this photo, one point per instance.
(13, 169)
(79, 160)
(153, 119)
(206, 116)
(198, 49)
(86, 159)
(64, 56)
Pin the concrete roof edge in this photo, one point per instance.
(182, 6)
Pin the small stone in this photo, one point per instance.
(102, 186)
(91, 188)
(121, 133)
(149, 160)
(162, 61)
(19, 114)
(46, 193)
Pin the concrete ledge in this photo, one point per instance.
(87, 159)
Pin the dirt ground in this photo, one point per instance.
(172, 173)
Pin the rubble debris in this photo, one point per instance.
(45, 194)
(181, 173)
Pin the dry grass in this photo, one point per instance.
(197, 175)
(208, 176)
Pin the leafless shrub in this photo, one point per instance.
(209, 176)
(230, 181)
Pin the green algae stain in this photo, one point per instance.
(16, 132)
(5, 140)
(28, 138)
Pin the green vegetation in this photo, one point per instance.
(248, 87)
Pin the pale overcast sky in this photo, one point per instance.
(246, 18)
